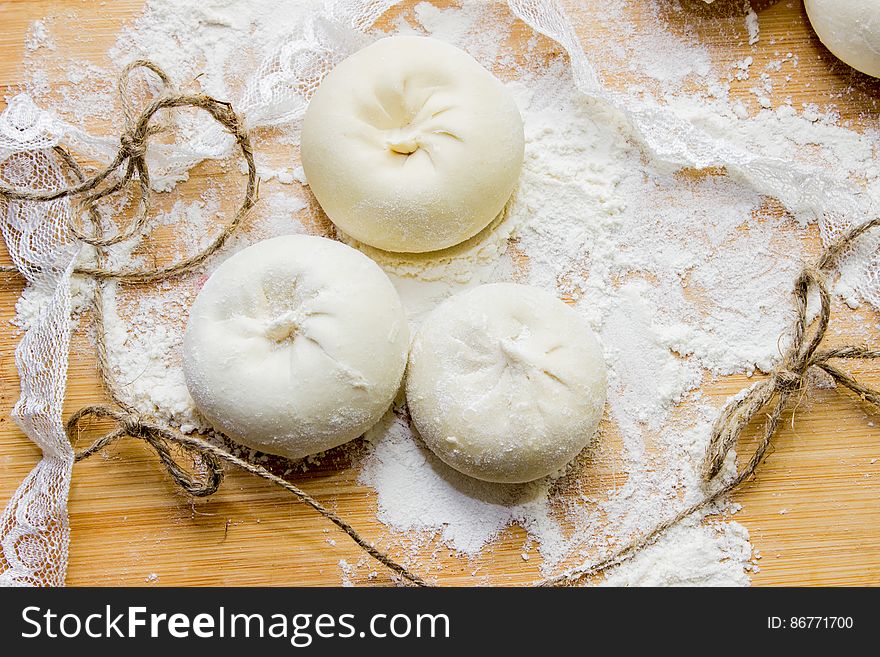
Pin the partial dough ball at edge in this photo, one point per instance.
(850, 29)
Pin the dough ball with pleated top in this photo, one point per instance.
(505, 382)
(410, 145)
(295, 345)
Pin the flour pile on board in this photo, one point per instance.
(684, 276)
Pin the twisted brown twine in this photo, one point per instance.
(159, 437)
(132, 154)
(775, 391)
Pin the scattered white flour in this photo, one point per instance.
(685, 276)
(38, 37)
(690, 555)
(752, 26)
(418, 492)
(218, 40)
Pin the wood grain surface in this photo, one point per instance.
(813, 511)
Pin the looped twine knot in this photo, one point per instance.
(207, 471)
(802, 355)
(131, 424)
(130, 164)
(132, 145)
(788, 380)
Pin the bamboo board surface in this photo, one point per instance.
(813, 512)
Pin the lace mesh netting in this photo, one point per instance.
(34, 532)
(33, 529)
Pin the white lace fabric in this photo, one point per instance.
(34, 531)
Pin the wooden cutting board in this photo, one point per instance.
(813, 511)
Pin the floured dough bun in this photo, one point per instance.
(850, 29)
(295, 345)
(410, 145)
(505, 383)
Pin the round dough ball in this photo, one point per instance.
(295, 345)
(850, 29)
(505, 383)
(410, 145)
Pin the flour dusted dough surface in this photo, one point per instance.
(295, 345)
(505, 382)
(850, 29)
(410, 145)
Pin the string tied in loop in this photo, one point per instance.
(130, 164)
(772, 394)
(790, 376)
(122, 84)
(203, 482)
(133, 146)
(787, 380)
(212, 457)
